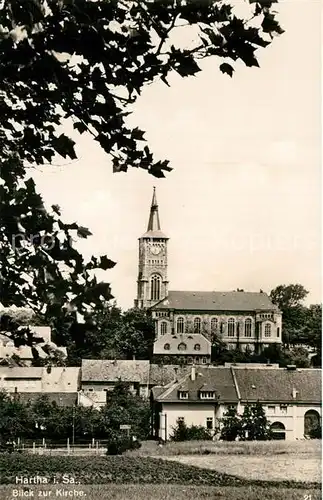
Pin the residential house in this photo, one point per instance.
(60, 384)
(199, 397)
(291, 398)
(24, 352)
(100, 376)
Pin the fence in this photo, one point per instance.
(62, 447)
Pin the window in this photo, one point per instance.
(283, 409)
(182, 346)
(278, 430)
(267, 330)
(163, 327)
(197, 347)
(166, 347)
(247, 327)
(181, 419)
(190, 360)
(197, 325)
(231, 327)
(155, 287)
(278, 331)
(312, 422)
(180, 325)
(271, 409)
(207, 394)
(204, 361)
(183, 394)
(209, 422)
(214, 324)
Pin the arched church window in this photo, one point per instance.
(268, 330)
(231, 327)
(214, 324)
(180, 325)
(197, 325)
(163, 327)
(247, 327)
(155, 287)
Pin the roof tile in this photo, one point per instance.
(216, 301)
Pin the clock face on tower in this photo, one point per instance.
(155, 250)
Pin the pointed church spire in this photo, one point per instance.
(154, 224)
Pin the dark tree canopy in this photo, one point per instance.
(88, 61)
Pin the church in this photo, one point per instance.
(188, 322)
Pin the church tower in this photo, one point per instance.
(152, 274)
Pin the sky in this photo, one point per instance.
(242, 206)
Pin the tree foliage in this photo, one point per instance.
(301, 324)
(88, 61)
(43, 419)
(182, 432)
(231, 427)
(252, 425)
(109, 333)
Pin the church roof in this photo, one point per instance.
(154, 234)
(153, 229)
(216, 301)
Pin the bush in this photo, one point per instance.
(119, 446)
(194, 433)
(316, 433)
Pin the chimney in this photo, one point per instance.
(193, 372)
(294, 393)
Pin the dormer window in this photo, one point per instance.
(183, 394)
(207, 394)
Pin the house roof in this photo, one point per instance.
(189, 341)
(216, 301)
(109, 370)
(18, 372)
(164, 374)
(276, 385)
(60, 398)
(217, 379)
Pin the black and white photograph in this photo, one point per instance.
(161, 249)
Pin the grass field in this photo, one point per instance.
(177, 471)
(263, 468)
(264, 461)
(171, 492)
(310, 448)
